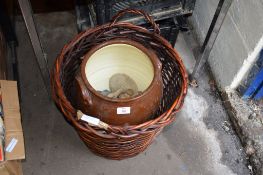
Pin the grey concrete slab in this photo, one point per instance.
(198, 143)
(228, 53)
(185, 52)
(248, 18)
(202, 16)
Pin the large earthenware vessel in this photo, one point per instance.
(126, 57)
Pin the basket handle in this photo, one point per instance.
(147, 17)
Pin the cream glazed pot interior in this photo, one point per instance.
(119, 58)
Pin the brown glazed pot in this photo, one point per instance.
(119, 56)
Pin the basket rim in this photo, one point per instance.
(117, 131)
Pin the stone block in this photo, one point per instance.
(228, 53)
(248, 18)
(202, 16)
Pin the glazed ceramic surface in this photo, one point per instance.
(119, 56)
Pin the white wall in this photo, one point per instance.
(238, 40)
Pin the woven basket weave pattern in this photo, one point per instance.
(120, 142)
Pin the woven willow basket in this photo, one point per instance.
(117, 142)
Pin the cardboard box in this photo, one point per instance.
(14, 139)
(11, 167)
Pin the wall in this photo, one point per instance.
(238, 41)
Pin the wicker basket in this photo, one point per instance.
(116, 142)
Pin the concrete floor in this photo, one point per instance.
(200, 142)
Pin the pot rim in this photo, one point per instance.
(151, 55)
